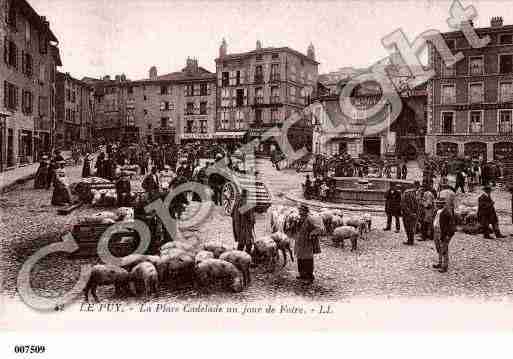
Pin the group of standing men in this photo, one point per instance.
(432, 214)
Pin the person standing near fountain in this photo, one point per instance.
(393, 207)
(410, 209)
(444, 229)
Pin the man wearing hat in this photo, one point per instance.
(306, 245)
(486, 214)
(123, 189)
(409, 211)
(444, 229)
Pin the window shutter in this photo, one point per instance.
(242, 74)
(23, 65)
(231, 78)
(6, 95)
(245, 102)
(6, 50)
(15, 56)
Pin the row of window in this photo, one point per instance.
(190, 108)
(236, 78)
(503, 39)
(237, 123)
(476, 122)
(11, 98)
(196, 126)
(476, 66)
(11, 19)
(190, 90)
(476, 92)
(71, 115)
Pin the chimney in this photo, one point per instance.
(106, 78)
(118, 78)
(259, 45)
(470, 22)
(223, 49)
(153, 73)
(496, 21)
(191, 66)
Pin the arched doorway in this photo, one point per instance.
(502, 151)
(475, 150)
(447, 149)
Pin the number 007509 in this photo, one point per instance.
(29, 349)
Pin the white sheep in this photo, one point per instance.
(265, 250)
(241, 260)
(358, 223)
(215, 270)
(179, 265)
(144, 276)
(215, 248)
(367, 218)
(340, 234)
(284, 244)
(107, 275)
(130, 261)
(187, 247)
(283, 219)
(203, 255)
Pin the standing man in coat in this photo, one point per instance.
(409, 210)
(393, 207)
(306, 245)
(243, 224)
(151, 184)
(444, 229)
(428, 204)
(486, 214)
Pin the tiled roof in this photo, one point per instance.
(265, 50)
(202, 74)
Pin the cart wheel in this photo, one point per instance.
(229, 196)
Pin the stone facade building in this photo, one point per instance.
(470, 105)
(74, 109)
(27, 72)
(336, 132)
(260, 89)
(170, 108)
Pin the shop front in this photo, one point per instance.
(447, 149)
(25, 143)
(203, 138)
(164, 136)
(131, 134)
(503, 151)
(475, 150)
(231, 139)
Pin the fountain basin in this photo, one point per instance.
(359, 190)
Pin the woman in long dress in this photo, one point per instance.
(41, 178)
(86, 169)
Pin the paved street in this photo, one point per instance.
(382, 266)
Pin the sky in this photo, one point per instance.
(109, 37)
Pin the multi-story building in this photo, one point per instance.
(170, 108)
(30, 57)
(108, 118)
(336, 132)
(74, 109)
(470, 105)
(260, 89)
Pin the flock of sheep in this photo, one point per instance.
(203, 265)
